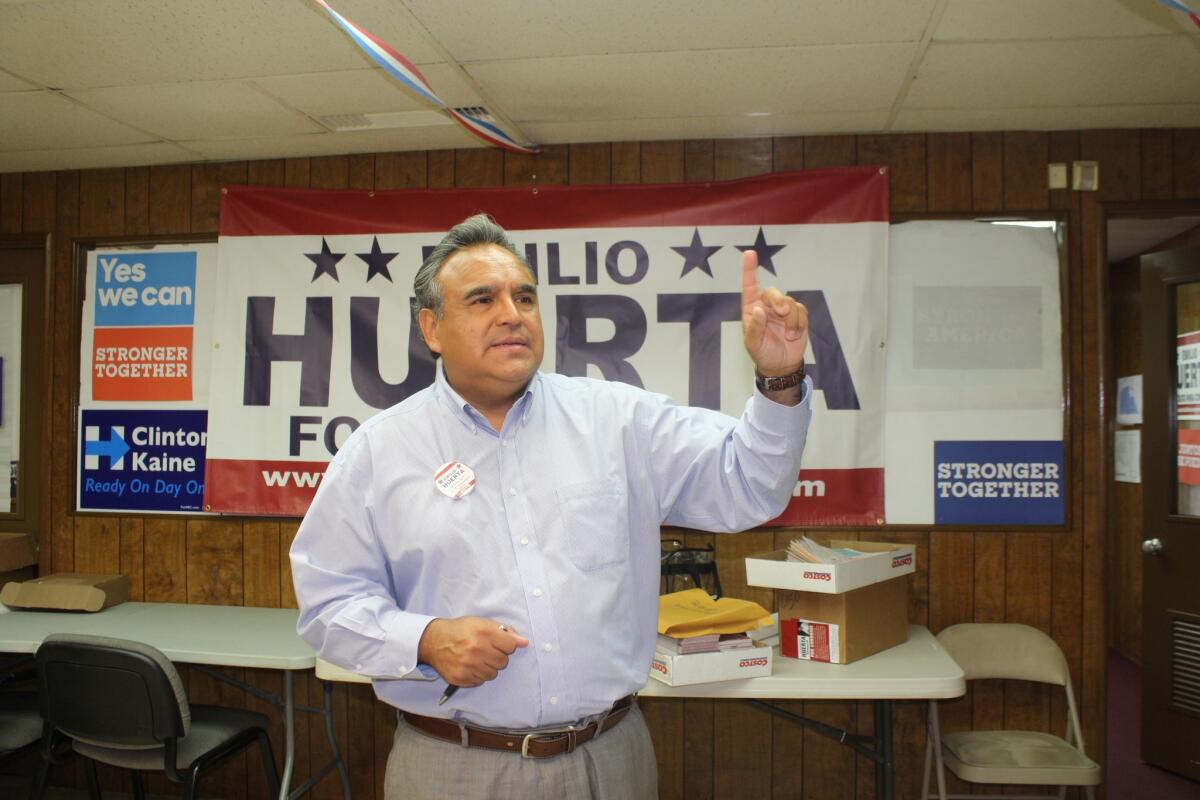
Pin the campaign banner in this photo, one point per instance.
(314, 333)
(1188, 457)
(144, 350)
(142, 459)
(1187, 375)
(999, 483)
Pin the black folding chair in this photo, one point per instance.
(122, 703)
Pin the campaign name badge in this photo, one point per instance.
(454, 479)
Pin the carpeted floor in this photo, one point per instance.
(1127, 776)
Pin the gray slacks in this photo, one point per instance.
(618, 765)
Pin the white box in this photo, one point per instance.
(884, 562)
(674, 669)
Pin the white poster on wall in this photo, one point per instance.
(145, 350)
(1129, 400)
(974, 421)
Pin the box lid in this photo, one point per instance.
(67, 591)
(883, 561)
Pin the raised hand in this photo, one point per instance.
(774, 326)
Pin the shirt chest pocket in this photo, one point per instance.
(596, 520)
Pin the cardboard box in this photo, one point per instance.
(674, 669)
(18, 557)
(885, 562)
(67, 591)
(840, 628)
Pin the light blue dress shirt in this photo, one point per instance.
(559, 538)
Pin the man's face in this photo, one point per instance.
(490, 332)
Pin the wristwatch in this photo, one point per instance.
(780, 382)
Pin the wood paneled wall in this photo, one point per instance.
(1052, 579)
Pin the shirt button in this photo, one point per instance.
(537, 592)
(358, 668)
(547, 647)
(504, 442)
(524, 540)
(553, 701)
(512, 491)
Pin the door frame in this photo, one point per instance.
(1107, 388)
(35, 427)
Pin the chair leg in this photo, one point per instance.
(139, 788)
(39, 780)
(268, 759)
(190, 785)
(93, 781)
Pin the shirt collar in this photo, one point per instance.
(465, 413)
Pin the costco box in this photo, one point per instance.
(674, 669)
(67, 591)
(840, 628)
(885, 561)
(18, 557)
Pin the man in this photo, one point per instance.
(499, 532)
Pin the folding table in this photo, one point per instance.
(225, 636)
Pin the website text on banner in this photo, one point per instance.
(636, 283)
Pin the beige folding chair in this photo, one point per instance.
(1012, 652)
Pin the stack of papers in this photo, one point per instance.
(710, 643)
(806, 550)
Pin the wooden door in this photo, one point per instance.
(1171, 550)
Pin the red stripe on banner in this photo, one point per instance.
(835, 497)
(839, 195)
(279, 488)
(1188, 338)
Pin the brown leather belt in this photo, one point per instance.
(540, 744)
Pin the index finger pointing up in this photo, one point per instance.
(750, 291)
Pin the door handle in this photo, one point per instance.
(1153, 547)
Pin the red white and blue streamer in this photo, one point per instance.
(395, 64)
(1178, 6)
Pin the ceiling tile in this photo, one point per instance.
(84, 43)
(212, 110)
(134, 155)
(1065, 73)
(322, 144)
(1044, 119)
(984, 20)
(717, 82)
(364, 91)
(536, 28)
(716, 127)
(46, 121)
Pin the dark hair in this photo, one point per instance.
(472, 231)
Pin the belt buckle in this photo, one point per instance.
(570, 732)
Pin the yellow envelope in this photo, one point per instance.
(694, 613)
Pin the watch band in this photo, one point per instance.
(780, 382)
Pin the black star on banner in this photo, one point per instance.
(765, 251)
(696, 255)
(377, 261)
(325, 260)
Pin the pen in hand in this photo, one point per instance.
(451, 688)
